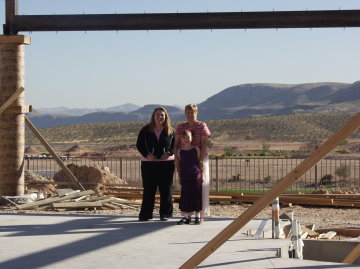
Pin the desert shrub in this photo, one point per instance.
(343, 172)
(267, 179)
(344, 142)
(234, 178)
(229, 151)
(344, 151)
(326, 180)
(266, 147)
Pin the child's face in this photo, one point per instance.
(185, 139)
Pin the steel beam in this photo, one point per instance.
(11, 9)
(186, 21)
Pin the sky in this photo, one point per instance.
(100, 69)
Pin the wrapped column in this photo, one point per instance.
(12, 122)
(276, 218)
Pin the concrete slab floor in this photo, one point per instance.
(98, 241)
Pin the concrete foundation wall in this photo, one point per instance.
(328, 250)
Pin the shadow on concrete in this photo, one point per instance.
(232, 263)
(107, 230)
(328, 266)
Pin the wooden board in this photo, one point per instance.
(53, 154)
(352, 255)
(11, 99)
(276, 191)
(78, 204)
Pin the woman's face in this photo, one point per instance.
(191, 115)
(159, 117)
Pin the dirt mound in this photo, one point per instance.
(120, 147)
(91, 177)
(92, 154)
(37, 183)
(31, 150)
(78, 149)
(121, 151)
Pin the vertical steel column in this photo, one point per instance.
(276, 218)
(12, 122)
(216, 172)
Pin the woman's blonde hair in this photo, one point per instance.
(167, 122)
(191, 107)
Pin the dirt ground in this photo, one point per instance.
(322, 217)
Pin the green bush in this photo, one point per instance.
(326, 180)
(343, 172)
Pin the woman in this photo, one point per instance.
(155, 142)
(201, 134)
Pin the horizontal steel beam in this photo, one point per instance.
(186, 21)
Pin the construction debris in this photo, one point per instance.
(334, 200)
(75, 200)
(39, 184)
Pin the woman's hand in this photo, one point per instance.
(165, 156)
(151, 157)
(201, 165)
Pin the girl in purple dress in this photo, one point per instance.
(190, 180)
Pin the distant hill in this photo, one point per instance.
(242, 101)
(82, 111)
(252, 100)
(142, 114)
(296, 127)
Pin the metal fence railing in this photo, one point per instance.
(231, 174)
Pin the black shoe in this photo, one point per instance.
(143, 219)
(184, 221)
(197, 221)
(163, 218)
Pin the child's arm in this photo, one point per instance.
(198, 153)
(176, 151)
(178, 167)
(178, 154)
(179, 160)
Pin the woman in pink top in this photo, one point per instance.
(201, 134)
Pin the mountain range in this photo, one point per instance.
(241, 101)
(82, 111)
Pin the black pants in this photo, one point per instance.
(157, 174)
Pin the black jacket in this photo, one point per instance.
(147, 142)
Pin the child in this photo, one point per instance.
(190, 180)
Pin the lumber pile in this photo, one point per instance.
(135, 193)
(130, 196)
(75, 200)
(334, 200)
(310, 233)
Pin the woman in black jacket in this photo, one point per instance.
(155, 142)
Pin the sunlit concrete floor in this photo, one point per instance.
(94, 241)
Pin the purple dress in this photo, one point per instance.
(191, 183)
